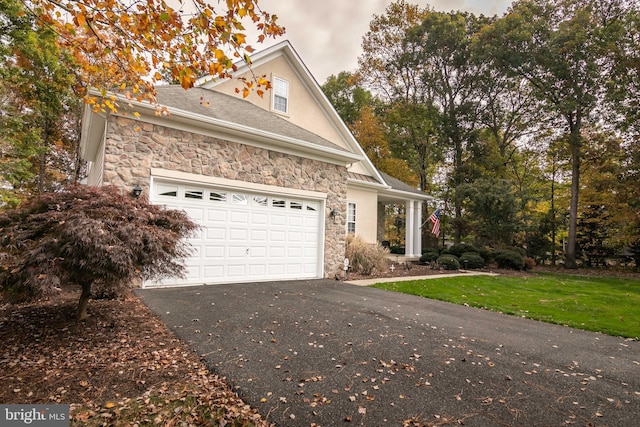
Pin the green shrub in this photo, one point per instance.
(448, 262)
(460, 249)
(433, 250)
(395, 249)
(428, 257)
(471, 260)
(516, 249)
(365, 258)
(509, 259)
(486, 254)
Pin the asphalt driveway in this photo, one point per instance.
(327, 353)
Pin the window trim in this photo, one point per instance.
(352, 216)
(275, 94)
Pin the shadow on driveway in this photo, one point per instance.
(326, 353)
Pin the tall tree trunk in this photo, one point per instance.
(553, 212)
(574, 141)
(42, 172)
(42, 166)
(457, 200)
(84, 302)
(422, 161)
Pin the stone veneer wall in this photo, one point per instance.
(132, 148)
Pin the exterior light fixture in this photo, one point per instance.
(137, 191)
(333, 214)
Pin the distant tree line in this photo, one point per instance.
(524, 126)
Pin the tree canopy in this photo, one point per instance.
(36, 82)
(522, 125)
(54, 51)
(560, 48)
(130, 45)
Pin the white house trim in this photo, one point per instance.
(236, 185)
(197, 123)
(413, 241)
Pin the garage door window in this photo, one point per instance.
(217, 197)
(279, 203)
(239, 199)
(193, 194)
(261, 201)
(296, 205)
(167, 190)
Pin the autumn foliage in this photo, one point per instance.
(129, 44)
(87, 236)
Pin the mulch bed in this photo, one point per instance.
(121, 357)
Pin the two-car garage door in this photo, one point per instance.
(245, 235)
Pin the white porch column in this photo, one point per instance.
(409, 229)
(417, 232)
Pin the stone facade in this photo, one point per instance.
(132, 148)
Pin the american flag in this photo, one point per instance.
(435, 219)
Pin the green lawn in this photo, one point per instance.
(607, 305)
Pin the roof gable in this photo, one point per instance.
(313, 111)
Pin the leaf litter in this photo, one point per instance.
(120, 367)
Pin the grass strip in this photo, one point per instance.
(601, 304)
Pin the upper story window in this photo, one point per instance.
(280, 95)
(351, 218)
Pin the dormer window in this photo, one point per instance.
(280, 95)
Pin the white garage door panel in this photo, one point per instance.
(259, 235)
(213, 271)
(294, 236)
(238, 217)
(278, 219)
(197, 214)
(277, 235)
(216, 252)
(215, 233)
(237, 252)
(245, 237)
(275, 251)
(294, 251)
(236, 270)
(217, 215)
(276, 269)
(257, 270)
(238, 234)
(296, 221)
(259, 218)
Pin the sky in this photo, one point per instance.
(327, 34)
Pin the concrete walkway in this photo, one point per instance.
(369, 282)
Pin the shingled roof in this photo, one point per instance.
(396, 184)
(234, 110)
